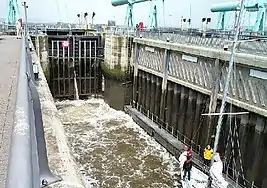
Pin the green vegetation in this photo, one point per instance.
(115, 73)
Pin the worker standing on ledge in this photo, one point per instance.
(187, 167)
(187, 153)
(19, 28)
(208, 152)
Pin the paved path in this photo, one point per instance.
(9, 62)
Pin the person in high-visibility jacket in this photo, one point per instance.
(208, 152)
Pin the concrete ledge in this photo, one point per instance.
(173, 145)
(60, 159)
(240, 58)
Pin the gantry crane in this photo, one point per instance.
(12, 12)
(260, 7)
(129, 18)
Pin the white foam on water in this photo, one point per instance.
(113, 151)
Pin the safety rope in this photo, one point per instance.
(239, 152)
(227, 143)
(236, 128)
(202, 118)
(232, 137)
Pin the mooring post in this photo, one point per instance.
(164, 83)
(135, 73)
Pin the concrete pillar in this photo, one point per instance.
(139, 85)
(228, 144)
(200, 101)
(148, 91)
(116, 55)
(164, 83)
(169, 106)
(244, 120)
(44, 48)
(175, 110)
(262, 171)
(152, 95)
(227, 121)
(37, 44)
(258, 141)
(143, 89)
(157, 96)
(135, 81)
(242, 125)
(250, 147)
(182, 110)
(43, 52)
(191, 106)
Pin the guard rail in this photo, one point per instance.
(28, 163)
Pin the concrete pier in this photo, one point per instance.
(60, 159)
(118, 53)
(9, 62)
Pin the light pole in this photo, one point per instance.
(163, 7)
(170, 18)
(24, 4)
(79, 15)
(85, 20)
(93, 15)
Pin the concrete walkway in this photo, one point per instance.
(9, 63)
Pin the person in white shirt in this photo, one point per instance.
(216, 171)
(19, 28)
(182, 159)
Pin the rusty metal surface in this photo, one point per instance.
(10, 48)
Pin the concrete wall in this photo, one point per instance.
(179, 113)
(117, 56)
(59, 157)
(173, 84)
(196, 68)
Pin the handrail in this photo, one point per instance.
(214, 39)
(28, 164)
(196, 148)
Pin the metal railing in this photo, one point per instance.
(235, 180)
(28, 163)
(248, 43)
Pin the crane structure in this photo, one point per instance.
(13, 12)
(260, 7)
(129, 17)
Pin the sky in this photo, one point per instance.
(67, 10)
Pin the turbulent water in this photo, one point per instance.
(112, 151)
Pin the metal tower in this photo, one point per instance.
(129, 18)
(13, 12)
(153, 16)
(129, 15)
(260, 6)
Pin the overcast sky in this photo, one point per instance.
(67, 10)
